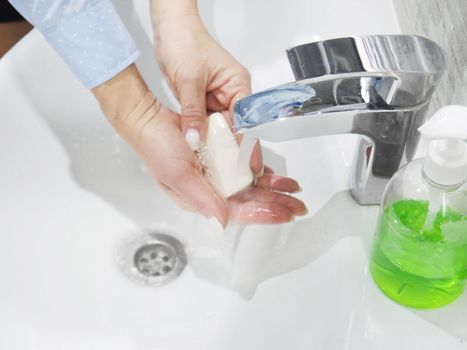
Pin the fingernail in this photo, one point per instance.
(216, 225)
(192, 138)
(261, 172)
(300, 189)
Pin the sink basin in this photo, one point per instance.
(72, 193)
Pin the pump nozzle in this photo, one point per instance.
(446, 162)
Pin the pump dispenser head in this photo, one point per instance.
(446, 161)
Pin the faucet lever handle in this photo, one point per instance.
(418, 63)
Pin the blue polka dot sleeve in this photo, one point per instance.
(88, 34)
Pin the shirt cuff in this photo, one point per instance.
(94, 43)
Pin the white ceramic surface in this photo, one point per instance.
(71, 192)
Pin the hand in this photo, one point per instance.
(154, 132)
(171, 161)
(263, 203)
(204, 77)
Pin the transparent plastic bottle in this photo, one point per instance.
(419, 256)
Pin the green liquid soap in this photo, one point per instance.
(420, 258)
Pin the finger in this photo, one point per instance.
(268, 170)
(259, 213)
(194, 189)
(192, 98)
(277, 183)
(241, 84)
(256, 161)
(296, 206)
(238, 87)
(213, 104)
(256, 158)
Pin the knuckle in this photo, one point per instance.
(245, 74)
(191, 110)
(187, 78)
(190, 78)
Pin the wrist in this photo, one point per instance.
(125, 100)
(118, 96)
(161, 9)
(166, 14)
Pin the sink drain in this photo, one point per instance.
(152, 259)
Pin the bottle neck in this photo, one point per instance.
(444, 188)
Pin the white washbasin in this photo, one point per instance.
(71, 192)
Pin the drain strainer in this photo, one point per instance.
(152, 259)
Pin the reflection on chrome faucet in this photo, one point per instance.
(375, 86)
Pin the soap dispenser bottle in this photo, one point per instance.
(419, 255)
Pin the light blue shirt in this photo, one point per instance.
(88, 35)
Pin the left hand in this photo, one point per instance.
(154, 132)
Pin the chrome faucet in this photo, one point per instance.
(376, 86)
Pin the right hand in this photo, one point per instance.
(204, 76)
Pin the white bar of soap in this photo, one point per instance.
(225, 173)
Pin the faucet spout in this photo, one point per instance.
(377, 86)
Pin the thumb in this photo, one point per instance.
(192, 98)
